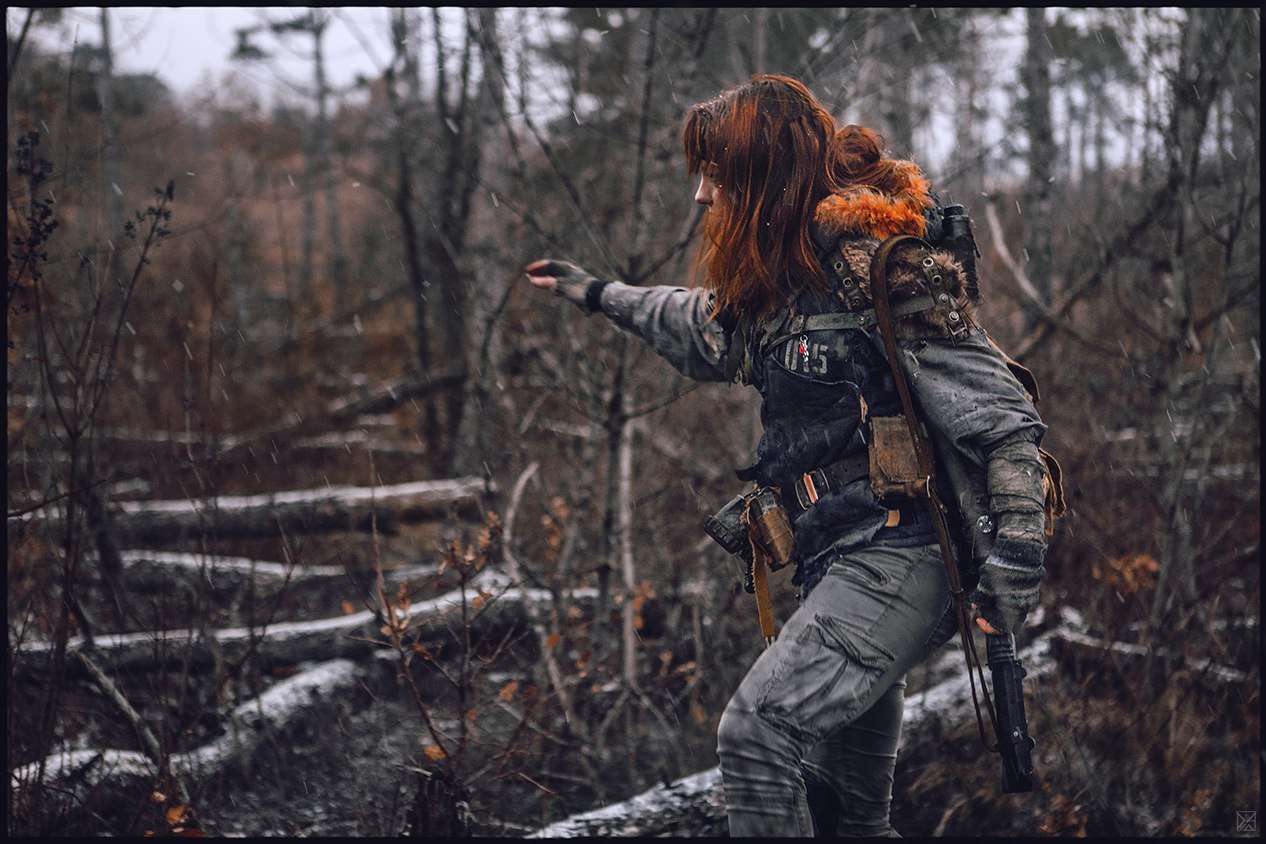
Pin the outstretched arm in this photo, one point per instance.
(675, 322)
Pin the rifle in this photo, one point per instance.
(1010, 727)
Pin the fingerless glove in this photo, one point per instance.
(1010, 579)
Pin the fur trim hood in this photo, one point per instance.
(866, 212)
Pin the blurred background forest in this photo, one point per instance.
(321, 522)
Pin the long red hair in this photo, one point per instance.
(775, 153)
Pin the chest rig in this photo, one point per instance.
(825, 382)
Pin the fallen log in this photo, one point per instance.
(349, 636)
(692, 801)
(1085, 644)
(246, 726)
(331, 508)
(158, 569)
(221, 577)
(221, 444)
(392, 395)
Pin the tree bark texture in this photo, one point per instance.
(1038, 208)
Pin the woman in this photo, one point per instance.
(796, 208)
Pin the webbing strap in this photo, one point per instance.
(847, 319)
(760, 579)
(923, 453)
(764, 608)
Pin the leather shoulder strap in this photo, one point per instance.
(923, 453)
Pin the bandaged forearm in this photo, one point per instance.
(1017, 499)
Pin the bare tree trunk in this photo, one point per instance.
(461, 124)
(884, 81)
(1038, 200)
(624, 529)
(94, 499)
(968, 154)
(405, 66)
(112, 173)
(761, 28)
(1101, 150)
(614, 425)
(481, 307)
(307, 242)
(337, 270)
(1206, 41)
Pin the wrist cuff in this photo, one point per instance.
(593, 295)
(1020, 552)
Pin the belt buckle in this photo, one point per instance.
(812, 485)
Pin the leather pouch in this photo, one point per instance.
(894, 466)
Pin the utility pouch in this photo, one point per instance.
(769, 528)
(726, 526)
(894, 463)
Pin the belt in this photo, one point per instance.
(814, 484)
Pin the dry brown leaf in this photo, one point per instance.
(507, 691)
(696, 712)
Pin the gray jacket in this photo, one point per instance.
(972, 404)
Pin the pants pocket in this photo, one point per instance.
(828, 681)
(857, 569)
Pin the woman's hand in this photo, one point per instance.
(984, 625)
(566, 280)
(1008, 588)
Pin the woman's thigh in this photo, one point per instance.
(870, 619)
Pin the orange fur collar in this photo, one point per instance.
(865, 211)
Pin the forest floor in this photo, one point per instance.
(353, 761)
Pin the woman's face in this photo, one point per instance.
(708, 188)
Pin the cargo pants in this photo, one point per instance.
(822, 707)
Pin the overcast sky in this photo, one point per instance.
(188, 48)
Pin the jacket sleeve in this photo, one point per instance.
(968, 393)
(675, 323)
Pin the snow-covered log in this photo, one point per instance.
(246, 726)
(693, 801)
(304, 510)
(160, 570)
(215, 574)
(354, 635)
(1099, 649)
(223, 445)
